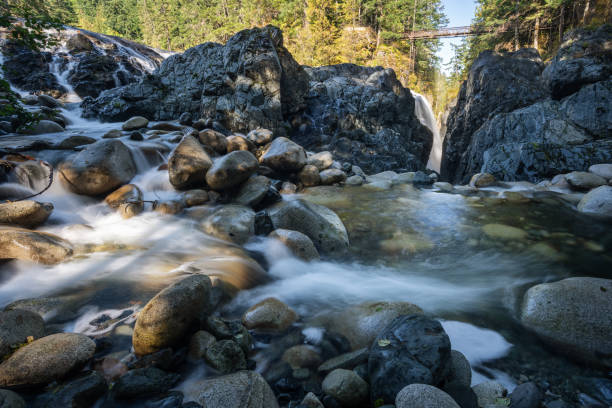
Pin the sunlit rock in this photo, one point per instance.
(39, 247)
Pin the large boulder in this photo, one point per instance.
(47, 359)
(39, 247)
(80, 392)
(250, 82)
(497, 83)
(319, 223)
(231, 170)
(597, 201)
(284, 155)
(166, 320)
(244, 389)
(362, 323)
(16, 326)
(365, 116)
(42, 127)
(584, 57)
(413, 349)
(573, 315)
(270, 314)
(346, 387)
(188, 164)
(423, 396)
(99, 168)
(28, 214)
(233, 223)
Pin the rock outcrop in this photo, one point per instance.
(519, 121)
(361, 114)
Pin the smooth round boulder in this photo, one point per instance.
(504, 232)
(321, 160)
(412, 349)
(253, 191)
(47, 359)
(354, 180)
(244, 389)
(319, 223)
(112, 134)
(238, 142)
(302, 356)
(188, 164)
(332, 176)
(269, 315)
(363, 322)
(99, 168)
(225, 356)
(346, 387)
(482, 180)
(16, 326)
(192, 198)
(260, 136)
(299, 244)
(460, 370)
(43, 127)
(597, 202)
(167, 318)
(489, 392)
(10, 399)
(214, 140)
(135, 123)
(602, 170)
(573, 315)
(27, 214)
(233, 223)
(526, 395)
(584, 181)
(34, 246)
(127, 200)
(231, 170)
(309, 176)
(284, 155)
(424, 396)
(49, 101)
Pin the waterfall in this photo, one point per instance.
(423, 111)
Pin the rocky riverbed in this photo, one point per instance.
(181, 261)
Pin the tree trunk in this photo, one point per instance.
(516, 26)
(587, 8)
(561, 22)
(412, 45)
(536, 33)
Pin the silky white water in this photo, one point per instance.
(423, 111)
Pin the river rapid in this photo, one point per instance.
(411, 244)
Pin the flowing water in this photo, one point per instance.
(407, 244)
(423, 111)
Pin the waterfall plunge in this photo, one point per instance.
(423, 111)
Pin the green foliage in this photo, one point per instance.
(26, 22)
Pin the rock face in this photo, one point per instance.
(573, 315)
(16, 326)
(319, 223)
(584, 58)
(249, 82)
(39, 247)
(363, 115)
(413, 349)
(95, 62)
(244, 389)
(167, 318)
(47, 359)
(99, 168)
(253, 82)
(497, 83)
(28, 214)
(505, 122)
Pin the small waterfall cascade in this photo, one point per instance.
(423, 111)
